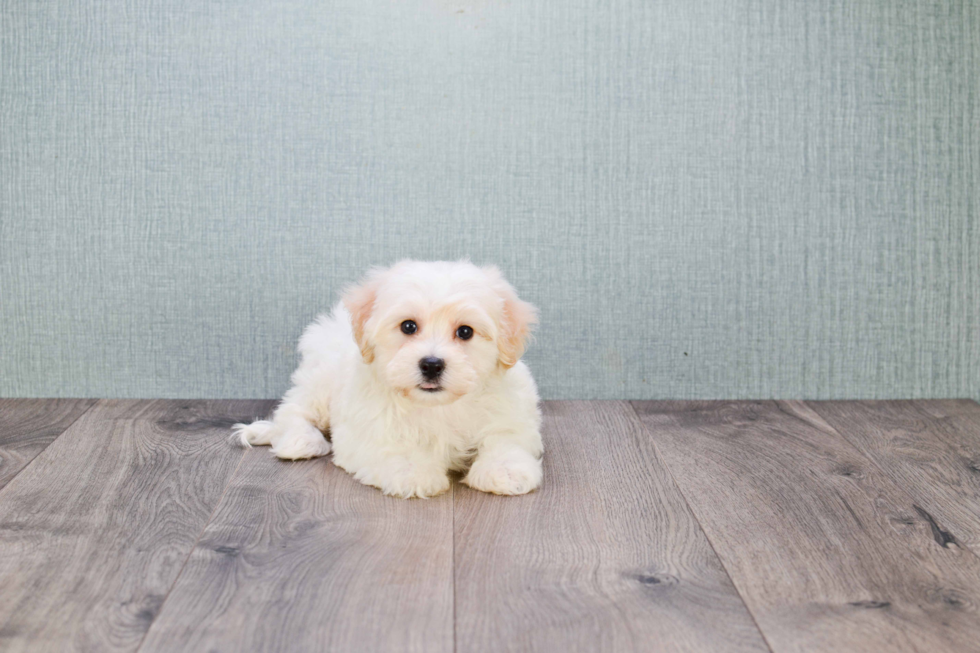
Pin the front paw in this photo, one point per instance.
(512, 472)
(405, 479)
(301, 442)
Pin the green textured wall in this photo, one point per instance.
(715, 198)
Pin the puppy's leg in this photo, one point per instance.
(290, 432)
(503, 466)
(258, 432)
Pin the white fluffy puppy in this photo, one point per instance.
(416, 373)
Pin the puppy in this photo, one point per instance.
(414, 374)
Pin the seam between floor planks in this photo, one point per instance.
(714, 549)
(93, 404)
(40, 451)
(453, 569)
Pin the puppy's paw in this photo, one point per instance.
(422, 486)
(301, 442)
(401, 477)
(512, 472)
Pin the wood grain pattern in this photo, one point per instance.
(27, 426)
(605, 556)
(827, 551)
(94, 533)
(301, 557)
(845, 526)
(931, 449)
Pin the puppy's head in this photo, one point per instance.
(435, 331)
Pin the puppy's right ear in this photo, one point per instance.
(359, 302)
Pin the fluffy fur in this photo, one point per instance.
(359, 380)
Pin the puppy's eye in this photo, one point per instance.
(409, 327)
(464, 332)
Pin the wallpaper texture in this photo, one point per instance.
(705, 198)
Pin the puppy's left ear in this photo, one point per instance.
(359, 302)
(517, 320)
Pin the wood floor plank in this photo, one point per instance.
(605, 556)
(930, 448)
(95, 531)
(301, 557)
(27, 426)
(827, 551)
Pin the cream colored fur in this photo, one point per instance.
(359, 381)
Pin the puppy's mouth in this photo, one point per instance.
(428, 386)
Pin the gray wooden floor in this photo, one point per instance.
(662, 526)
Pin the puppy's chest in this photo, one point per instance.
(453, 430)
(447, 430)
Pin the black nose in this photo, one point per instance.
(432, 367)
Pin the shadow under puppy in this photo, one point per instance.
(415, 373)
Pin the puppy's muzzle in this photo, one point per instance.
(432, 367)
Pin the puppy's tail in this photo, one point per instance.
(246, 435)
